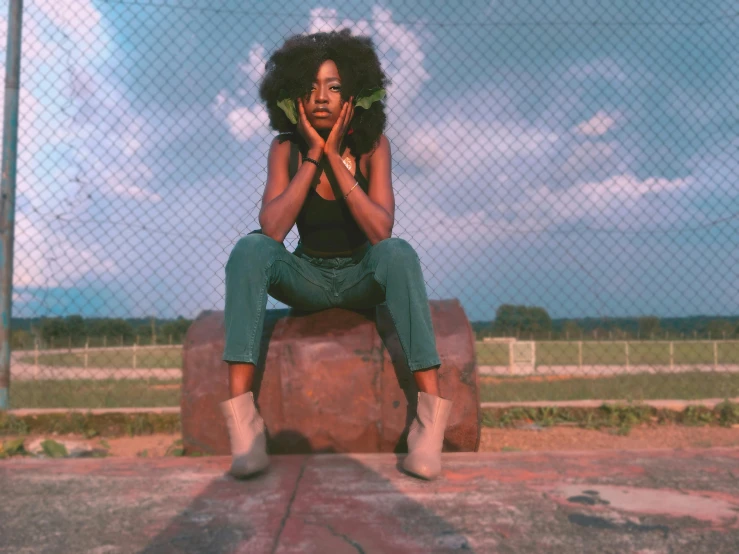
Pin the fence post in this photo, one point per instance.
(35, 359)
(510, 357)
(626, 350)
(105, 341)
(87, 345)
(135, 344)
(672, 356)
(715, 355)
(579, 354)
(8, 185)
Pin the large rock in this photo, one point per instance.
(331, 381)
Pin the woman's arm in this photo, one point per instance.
(282, 197)
(374, 212)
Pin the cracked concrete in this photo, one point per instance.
(655, 501)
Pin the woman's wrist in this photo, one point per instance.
(316, 154)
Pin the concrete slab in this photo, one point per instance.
(645, 501)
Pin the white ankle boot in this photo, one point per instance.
(426, 436)
(246, 431)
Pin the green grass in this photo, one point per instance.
(547, 353)
(160, 393)
(92, 393)
(112, 393)
(679, 386)
(613, 353)
(113, 358)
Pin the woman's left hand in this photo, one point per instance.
(341, 126)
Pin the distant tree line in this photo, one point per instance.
(533, 322)
(75, 330)
(524, 322)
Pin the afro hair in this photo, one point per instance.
(291, 70)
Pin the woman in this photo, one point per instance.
(323, 94)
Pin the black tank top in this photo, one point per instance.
(327, 225)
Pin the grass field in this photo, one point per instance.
(90, 393)
(80, 393)
(114, 358)
(159, 393)
(547, 353)
(613, 353)
(680, 386)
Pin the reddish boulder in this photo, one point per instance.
(331, 381)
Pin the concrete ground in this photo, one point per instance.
(649, 501)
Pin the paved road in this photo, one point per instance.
(676, 501)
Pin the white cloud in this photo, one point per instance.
(77, 135)
(254, 67)
(618, 202)
(323, 20)
(461, 145)
(43, 251)
(597, 125)
(406, 70)
(82, 22)
(588, 155)
(245, 122)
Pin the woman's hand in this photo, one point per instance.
(309, 133)
(333, 143)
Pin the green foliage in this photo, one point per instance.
(54, 449)
(177, 328)
(14, 447)
(515, 321)
(368, 97)
(620, 418)
(728, 413)
(288, 105)
(175, 449)
(20, 339)
(648, 325)
(12, 425)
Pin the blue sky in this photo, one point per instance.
(581, 157)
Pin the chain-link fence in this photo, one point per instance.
(568, 171)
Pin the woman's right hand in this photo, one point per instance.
(311, 136)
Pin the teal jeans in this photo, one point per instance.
(388, 271)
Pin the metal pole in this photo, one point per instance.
(7, 189)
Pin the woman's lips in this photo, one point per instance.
(321, 113)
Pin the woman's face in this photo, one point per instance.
(323, 103)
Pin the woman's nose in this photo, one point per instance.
(321, 94)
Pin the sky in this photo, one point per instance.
(581, 157)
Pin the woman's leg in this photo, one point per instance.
(247, 282)
(240, 378)
(258, 266)
(427, 380)
(391, 271)
(394, 267)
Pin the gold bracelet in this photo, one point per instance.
(351, 189)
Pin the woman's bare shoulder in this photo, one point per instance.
(381, 149)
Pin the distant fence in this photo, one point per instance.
(513, 357)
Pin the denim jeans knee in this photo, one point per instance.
(255, 247)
